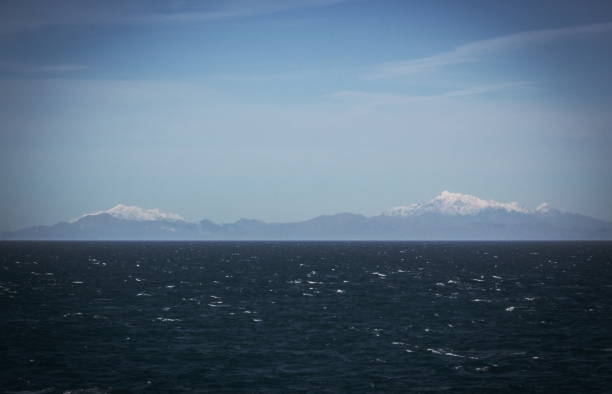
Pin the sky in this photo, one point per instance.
(286, 110)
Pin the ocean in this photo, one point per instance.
(306, 317)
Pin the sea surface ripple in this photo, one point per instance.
(324, 317)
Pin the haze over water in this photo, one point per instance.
(183, 317)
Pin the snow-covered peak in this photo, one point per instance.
(133, 212)
(543, 208)
(448, 203)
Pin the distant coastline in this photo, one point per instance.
(447, 217)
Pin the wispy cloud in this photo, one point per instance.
(232, 10)
(380, 99)
(260, 77)
(14, 67)
(474, 51)
(29, 15)
(19, 16)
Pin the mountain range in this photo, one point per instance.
(448, 216)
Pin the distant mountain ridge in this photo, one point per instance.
(132, 212)
(448, 216)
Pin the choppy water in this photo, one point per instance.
(305, 317)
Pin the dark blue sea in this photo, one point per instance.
(305, 317)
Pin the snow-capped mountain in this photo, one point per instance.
(448, 203)
(133, 212)
(544, 208)
(448, 216)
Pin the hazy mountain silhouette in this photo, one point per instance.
(448, 216)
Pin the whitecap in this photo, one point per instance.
(143, 295)
(443, 352)
(73, 314)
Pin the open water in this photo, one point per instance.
(321, 317)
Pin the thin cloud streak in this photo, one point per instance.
(23, 16)
(380, 99)
(14, 67)
(244, 10)
(475, 50)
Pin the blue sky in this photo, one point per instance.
(284, 110)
